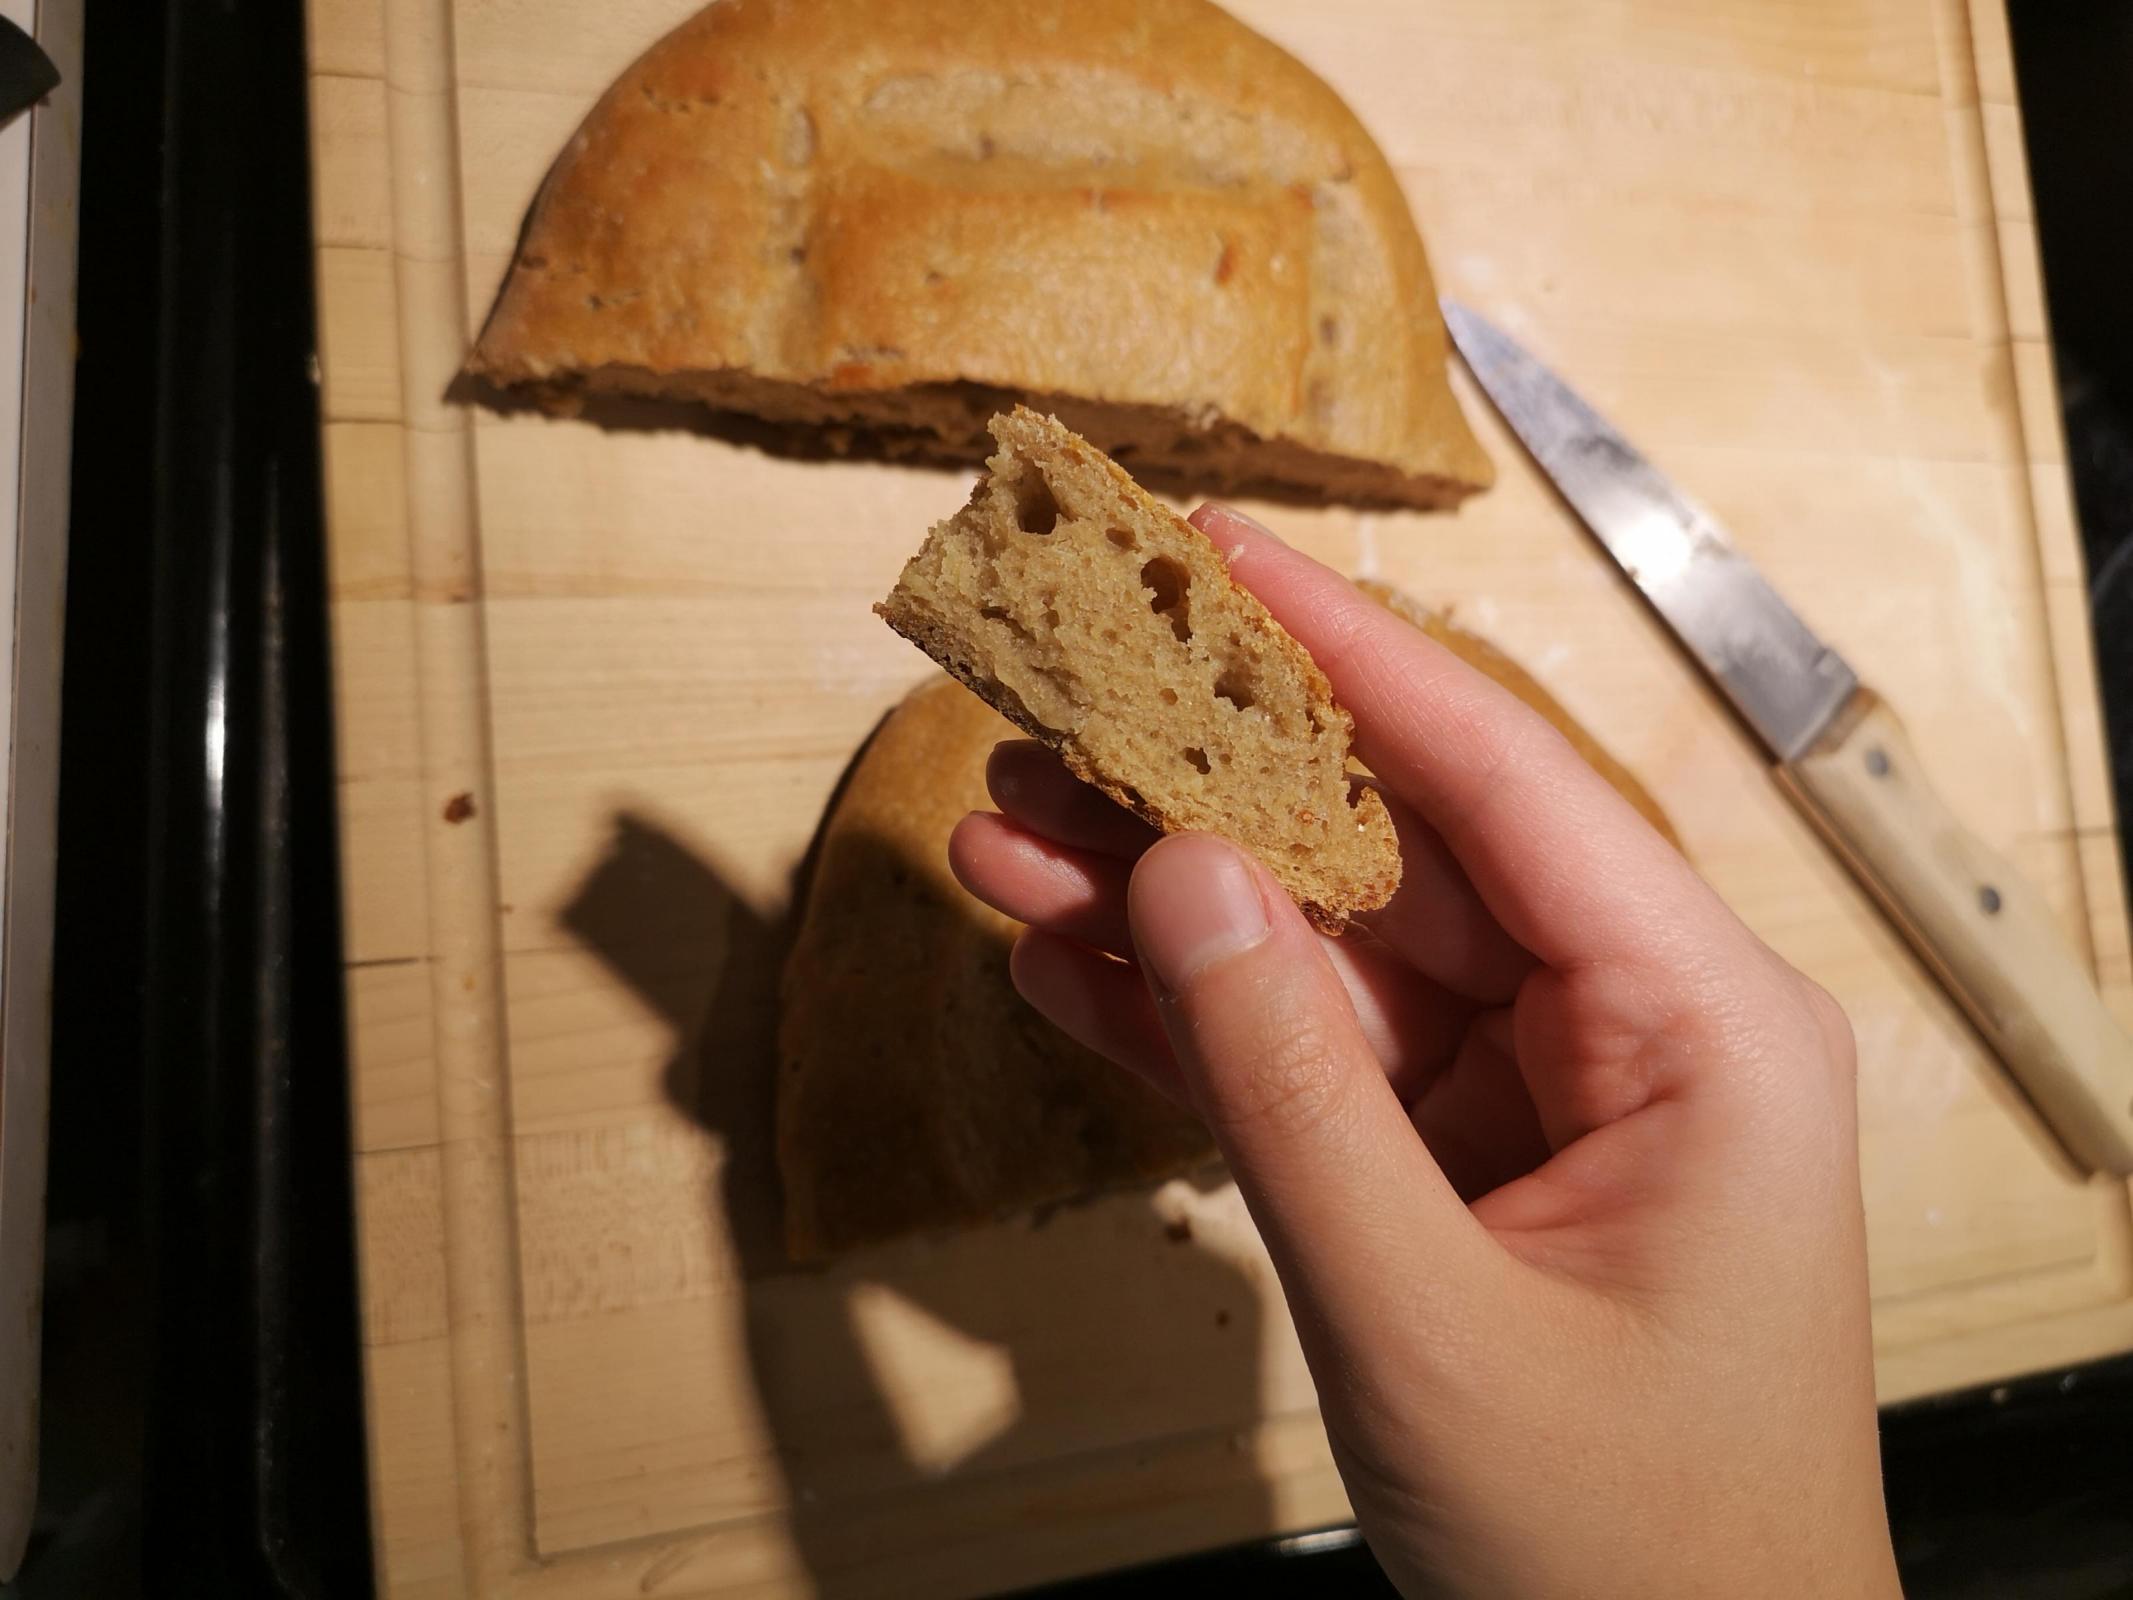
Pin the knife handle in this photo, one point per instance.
(1986, 934)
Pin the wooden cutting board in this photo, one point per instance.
(594, 687)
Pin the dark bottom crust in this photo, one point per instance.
(944, 424)
(810, 1247)
(1004, 700)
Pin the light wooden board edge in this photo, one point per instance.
(1992, 187)
(487, 1356)
(1993, 203)
(486, 1367)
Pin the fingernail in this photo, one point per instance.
(1227, 537)
(1194, 902)
(1003, 772)
(1250, 522)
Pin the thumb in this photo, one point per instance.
(1346, 1196)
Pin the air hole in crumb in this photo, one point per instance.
(1168, 694)
(1328, 331)
(1051, 617)
(1235, 686)
(1168, 587)
(1036, 508)
(1198, 758)
(1007, 620)
(1120, 537)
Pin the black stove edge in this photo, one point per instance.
(255, 1478)
(2073, 63)
(2018, 1488)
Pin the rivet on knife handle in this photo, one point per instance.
(1988, 935)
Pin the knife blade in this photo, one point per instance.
(1842, 757)
(1785, 683)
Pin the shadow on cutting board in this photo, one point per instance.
(846, 1456)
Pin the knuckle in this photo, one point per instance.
(1511, 753)
(1832, 1024)
(1347, 636)
(1287, 1082)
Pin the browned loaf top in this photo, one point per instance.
(1477, 652)
(895, 215)
(1107, 626)
(916, 1091)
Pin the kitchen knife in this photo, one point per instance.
(1842, 758)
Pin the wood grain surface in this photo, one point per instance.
(594, 686)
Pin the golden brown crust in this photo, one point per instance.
(916, 1090)
(1479, 653)
(862, 209)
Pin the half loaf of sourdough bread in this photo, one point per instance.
(916, 1089)
(891, 218)
(1109, 627)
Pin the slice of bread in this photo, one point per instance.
(916, 1090)
(1109, 627)
(1478, 652)
(877, 222)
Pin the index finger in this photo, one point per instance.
(1562, 861)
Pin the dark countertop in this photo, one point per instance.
(202, 1432)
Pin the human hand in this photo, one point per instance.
(1556, 1160)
